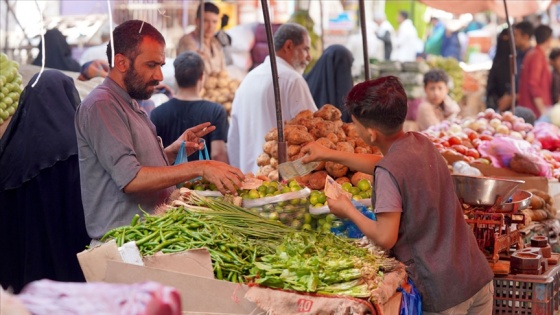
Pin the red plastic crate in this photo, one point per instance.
(528, 294)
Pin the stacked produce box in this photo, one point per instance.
(411, 75)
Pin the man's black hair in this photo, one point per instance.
(129, 35)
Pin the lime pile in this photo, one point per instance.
(10, 87)
(361, 191)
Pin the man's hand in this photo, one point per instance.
(226, 178)
(341, 206)
(315, 152)
(192, 137)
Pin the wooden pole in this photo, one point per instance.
(364, 39)
(512, 60)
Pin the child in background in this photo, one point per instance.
(554, 58)
(437, 105)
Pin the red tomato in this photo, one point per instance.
(453, 140)
(473, 135)
(445, 143)
(485, 137)
(459, 148)
(474, 153)
(476, 142)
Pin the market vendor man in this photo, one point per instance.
(418, 215)
(123, 165)
(211, 51)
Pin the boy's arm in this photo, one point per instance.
(364, 163)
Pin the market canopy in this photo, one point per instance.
(516, 8)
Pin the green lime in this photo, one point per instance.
(364, 184)
(273, 216)
(273, 184)
(322, 198)
(293, 183)
(306, 227)
(295, 188)
(307, 218)
(354, 190)
(262, 194)
(265, 184)
(262, 188)
(356, 197)
(276, 193)
(254, 194)
(326, 227)
(364, 195)
(199, 187)
(296, 224)
(286, 189)
(212, 186)
(314, 193)
(313, 199)
(281, 203)
(294, 202)
(346, 186)
(330, 217)
(271, 189)
(318, 205)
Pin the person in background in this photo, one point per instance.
(41, 217)
(523, 33)
(331, 78)
(535, 81)
(211, 50)
(97, 52)
(498, 85)
(58, 53)
(225, 40)
(419, 218)
(451, 43)
(554, 58)
(187, 109)
(406, 43)
(438, 105)
(123, 164)
(385, 32)
(435, 38)
(253, 112)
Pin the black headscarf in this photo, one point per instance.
(330, 80)
(499, 79)
(59, 54)
(41, 131)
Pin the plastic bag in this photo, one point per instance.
(182, 157)
(289, 208)
(349, 228)
(548, 135)
(411, 301)
(501, 150)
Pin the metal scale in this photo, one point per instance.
(491, 207)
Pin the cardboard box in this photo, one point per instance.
(189, 272)
(531, 182)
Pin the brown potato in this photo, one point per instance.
(317, 180)
(350, 130)
(272, 135)
(333, 137)
(303, 115)
(222, 74)
(361, 150)
(328, 112)
(298, 137)
(303, 180)
(344, 147)
(273, 162)
(336, 170)
(273, 175)
(293, 149)
(321, 166)
(340, 134)
(537, 202)
(322, 129)
(210, 83)
(263, 159)
(342, 180)
(265, 170)
(269, 145)
(326, 143)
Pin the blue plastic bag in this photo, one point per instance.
(411, 301)
(348, 228)
(182, 157)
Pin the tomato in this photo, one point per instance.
(459, 148)
(453, 140)
(485, 137)
(473, 135)
(474, 153)
(476, 142)
(445, 143)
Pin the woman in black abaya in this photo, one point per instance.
(59, 54)
(330, 80)
(42, 224)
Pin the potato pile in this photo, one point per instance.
(220, 88)
(324, 127)
(541, 208)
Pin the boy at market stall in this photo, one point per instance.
(123, 165)
(437, 105)
(418, 215)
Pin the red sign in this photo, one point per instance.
(304, 306)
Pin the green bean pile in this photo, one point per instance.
(234, 236)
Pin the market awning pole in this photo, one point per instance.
(201, 24)
(17, 21)
(322, 26)
(364, 38)
(512, 60)
(7, 18)
(282, 145)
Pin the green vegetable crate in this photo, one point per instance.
(289, 208)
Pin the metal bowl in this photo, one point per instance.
(520, 200)
(484, 191)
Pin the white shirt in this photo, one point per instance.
(253, 112)
(406, 43)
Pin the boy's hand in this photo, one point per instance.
(341, 206)
(315, 152)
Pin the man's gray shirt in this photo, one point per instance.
(115, 139)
